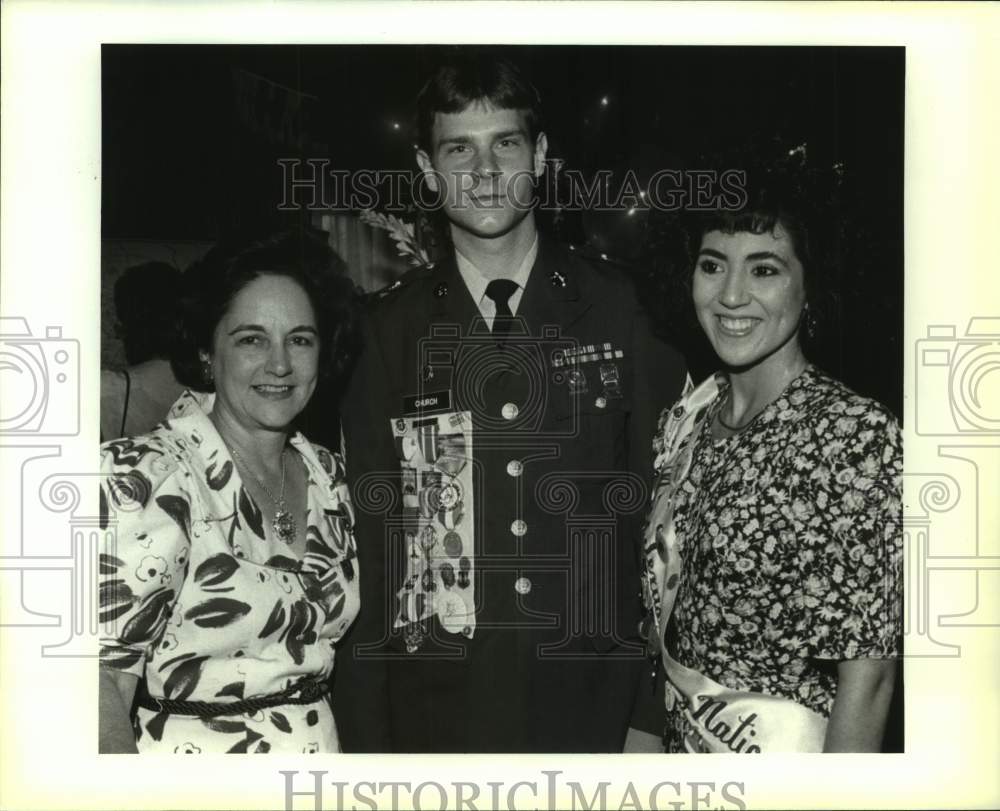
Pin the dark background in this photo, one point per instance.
(192, 135)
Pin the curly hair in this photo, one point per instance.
(806, 203)
(299, 254)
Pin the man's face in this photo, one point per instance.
(484, 163)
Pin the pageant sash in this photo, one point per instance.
(719, 719)
(673, 461)
(715, 718)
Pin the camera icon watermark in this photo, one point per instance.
(40, 381)
(558, 379)
(958, 379)
(65, 582)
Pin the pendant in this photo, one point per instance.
(284, 525)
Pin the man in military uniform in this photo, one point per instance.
(498, 439)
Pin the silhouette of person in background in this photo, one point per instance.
(135, 399)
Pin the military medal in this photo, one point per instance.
(409, 478)
(463, 572)
(453, 544)
(414, 638)
(427, 437)
(609, 378)
(450, 496)
(434, 447)
(428, 537)
(451, 452)
(447, 572)
(451, 612)
(577, 381)
(428, 501)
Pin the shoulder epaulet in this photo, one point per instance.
(408, 278)
(595, 256)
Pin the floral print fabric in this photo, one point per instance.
(791, 538)
(195, 595)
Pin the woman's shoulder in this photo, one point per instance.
(822, 398)
(844, 429)
(694, 398)
(139, 471)
(685, 411)
(157, 454)
(172, 448)
(330, 462)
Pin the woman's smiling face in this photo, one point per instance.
(749, 294)
(266, 354)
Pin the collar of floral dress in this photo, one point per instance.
(329, 517)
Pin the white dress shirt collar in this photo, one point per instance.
(476, 282)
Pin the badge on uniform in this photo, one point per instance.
(577, 380)
(409, 479)
(589, 353)
(434, 446)
(610, 381)
(414, 637)
(430, 402)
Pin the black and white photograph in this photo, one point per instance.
(540, 421)
(498, 405)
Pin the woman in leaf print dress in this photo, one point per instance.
(228, 570)
(773, 544)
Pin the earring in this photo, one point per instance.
(809, 318)
(206, 371)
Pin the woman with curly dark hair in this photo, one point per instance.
(229, 574)
(774, 540)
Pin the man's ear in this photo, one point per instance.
(541, 148)
(430, 175)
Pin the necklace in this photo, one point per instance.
(284, 522)
(734, 428)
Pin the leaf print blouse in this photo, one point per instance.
(790, 534)
(196, 597)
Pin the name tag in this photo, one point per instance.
(427, 403)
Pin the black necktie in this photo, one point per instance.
(500, 291)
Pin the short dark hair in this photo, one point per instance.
(784, 198)
(806, 203)
(476, 75)
(146, 306)
(300, 254)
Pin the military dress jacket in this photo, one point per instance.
(499, 487)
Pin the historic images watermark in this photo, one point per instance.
(41, 381)
(957, 382)
(313, 184)
(40, 378)
(546, 791)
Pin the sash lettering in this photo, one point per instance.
(706, 715)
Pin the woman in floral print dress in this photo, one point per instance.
(774, 541)
(229, 570)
